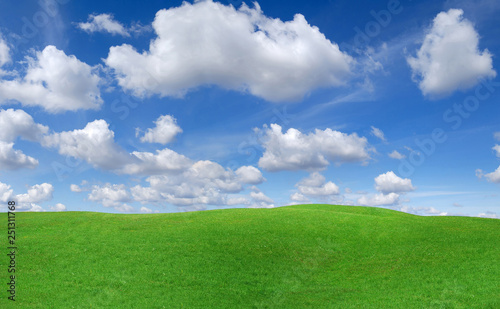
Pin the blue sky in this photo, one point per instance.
(168, 106)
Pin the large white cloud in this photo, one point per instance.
(295, 150)
(94, 144)
(103, 23)
(163, 133)
(449, 58)
(111, 195)
(203, 183)
(390, 182)
(36, 194)
(250, 175)
(54, 81)
(207, 43)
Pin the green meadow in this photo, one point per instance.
(306, 256)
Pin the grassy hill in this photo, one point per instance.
(308, 256)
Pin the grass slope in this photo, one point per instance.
(308, 256)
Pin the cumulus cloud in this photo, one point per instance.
(249, 175)
(5, 192)
(111, 195)
(390, 187)
(163, 133)
(260, 200)
(491, 177)
(103, 23)
(58, 207)
(378, 133)
(146, 210)
(14, 123)
(208, 43)
(298, 198)
(163, 161)
(54, 81)
(315, 185)
(449, 58)
(94, 144)
(203, 183)
(390, 182)
(396, 155)
(295, 150)
(12, 159)
(36, 194)
(379, 199)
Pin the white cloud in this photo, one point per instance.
(146, 210)
(298, 198)
(378, 133)
(54, 81)
(396, 155)
(111, 195)
(315, 185)
(497, 150)
(4, 53)
(163, 133)
(58, 207)
(260, 200)
(14, 123)
(492, 177)
(207, 43)
(379, 200)
(249, 175)
(294, 150)
(34, 208)
(202, 183)
(75, 188)
(5, 192)
(163, 161)
(103, 23)
(390, 182)
(449, 58)
(12, 159)
(94, 144)
(36, 194)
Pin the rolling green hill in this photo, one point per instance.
(308, 256)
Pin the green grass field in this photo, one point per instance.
(308, 256)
